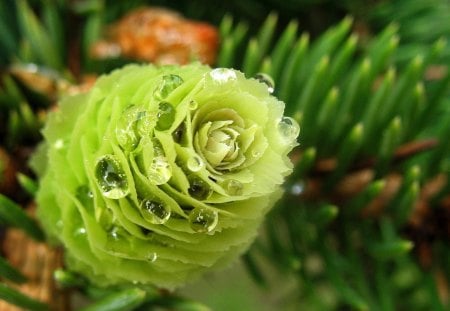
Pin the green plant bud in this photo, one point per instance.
(160, 174)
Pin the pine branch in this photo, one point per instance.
(358, 113)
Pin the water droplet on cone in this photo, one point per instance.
(288, 128)
(198, 189)
(159, 171)
(166, 116)
(80, 231)
(193, 104)
(117, 242)
(233, 186)
(83, 193)
(256, 153)
(167, 85)
(151, 257)
(203, 220)
(267, 80)
(134, 123)
(111, 178)
(85, 196)
(154, 211)
(177, 135)
(195, 163)
(222, 75)
(59, 144)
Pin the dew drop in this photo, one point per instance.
(154, 211)
(83, 193)
(151, 257)
(116, 233)
(195, 163)
(117, 242)
(193, 104)
(159, 171)
(111, 178)
(256, 153)
(85, 196)
(199, 189)
(80, 231)
(166, 116)
(203, 220)
(125, 134)
(177, 135)
(167, 85)
(145, 122)
(132, 124)
(222, 75)
(233, 186)
(267, 80)
(104, 217)
(288, 128)
(298, 188)
(59, 144)
(157, 147)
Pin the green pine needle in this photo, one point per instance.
(10, 273)
(18, 299)
(14, 215)
(127, 299)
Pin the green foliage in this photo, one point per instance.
(10, 273)
(16, 298)
(124, 300)
(28, 184)
(358, 95)
(353, 103)
(12, 214)
(421, 22)
(28, 37)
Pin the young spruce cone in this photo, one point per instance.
(160, 174)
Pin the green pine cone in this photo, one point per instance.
(160, 174)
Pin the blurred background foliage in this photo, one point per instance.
(365, 221)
